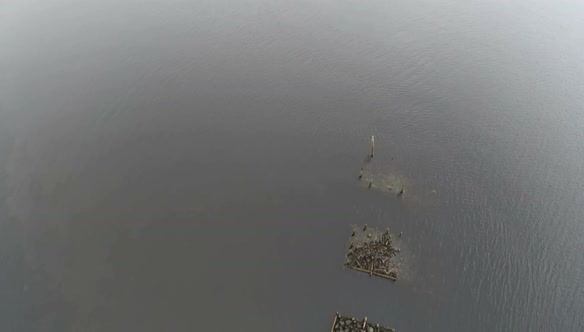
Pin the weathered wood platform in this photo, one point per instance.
(349, 324)
(372, 251)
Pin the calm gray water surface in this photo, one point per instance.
(191, 165)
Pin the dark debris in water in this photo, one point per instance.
(373, 252)
(349, 324)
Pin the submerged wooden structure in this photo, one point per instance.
(349, 324)
(372, 251)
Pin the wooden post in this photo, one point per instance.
(335, 322)
(372, 146)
